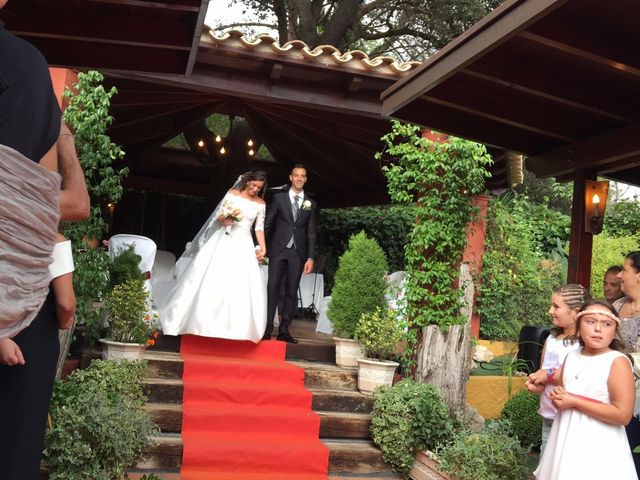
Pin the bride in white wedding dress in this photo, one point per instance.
(221, 292)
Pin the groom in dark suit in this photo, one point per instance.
(290, 227)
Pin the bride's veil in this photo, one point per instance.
(162, 292)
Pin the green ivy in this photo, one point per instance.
(517, 278)
(87, 114)
(99, 427)
(406, 418)
(438, 180)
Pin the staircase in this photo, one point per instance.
(345, 413)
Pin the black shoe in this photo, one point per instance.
(285, 337)
(266, 336)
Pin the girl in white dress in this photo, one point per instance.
(594, 398)
(565, 305)
(220, 292)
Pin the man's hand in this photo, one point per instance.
(308, 267)
(10, 353)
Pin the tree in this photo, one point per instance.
(409, 29)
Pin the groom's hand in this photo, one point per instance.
(308, 266)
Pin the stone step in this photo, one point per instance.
(169, 390)
(345, 456)
(313, 346)
(317, 374)
(332, 424)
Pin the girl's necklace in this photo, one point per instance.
(591, 357)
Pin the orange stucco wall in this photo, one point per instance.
(61, 78)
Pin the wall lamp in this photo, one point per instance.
(595, 204)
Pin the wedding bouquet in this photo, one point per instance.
(230, 211)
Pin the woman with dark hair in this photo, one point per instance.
(221, 293)
(628, 308)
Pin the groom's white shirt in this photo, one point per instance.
(300, 197)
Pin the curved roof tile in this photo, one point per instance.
(323, 54)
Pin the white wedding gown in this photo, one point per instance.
(222, 293)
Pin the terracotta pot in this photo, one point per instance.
(347, 352)
(70, 364)
(425, 468)
(120, 351)
(375, 373)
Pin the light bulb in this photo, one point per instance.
(596, 199)
(250, 143)
(596, 204)
(222, 151)
(218, 138)
(251, 152)
(201, 143)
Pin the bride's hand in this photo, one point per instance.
(225, 221)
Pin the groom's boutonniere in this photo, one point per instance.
(306, 205)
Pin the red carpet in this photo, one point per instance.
(246, 414)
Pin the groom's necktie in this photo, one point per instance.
(296, 207)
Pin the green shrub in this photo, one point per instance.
(360, 284)
(521, 410)
(124, 267)
(622, 218)
(608, 251)
(409, 417)
(490, 454)
(379, 333)
(127, 308)
(517, 279)
(99, 427)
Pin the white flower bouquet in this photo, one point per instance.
(229, 210)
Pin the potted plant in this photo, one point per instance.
(379, 333)
(359, 287)
(130, 326)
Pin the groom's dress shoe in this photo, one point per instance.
(266, 336)
(285, 337)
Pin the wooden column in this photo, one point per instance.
(580, 242)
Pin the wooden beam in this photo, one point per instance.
(249, 88)
(197, 33)
(582, 54)
(535, 91)
(155, 5)
(580, 242)
(505, 22)
(276, 71)
(594, 153)
(355, 84)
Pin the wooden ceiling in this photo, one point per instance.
(318, 107)
(131, 35)
(557, 80)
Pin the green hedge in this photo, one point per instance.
(388, 225)
(526, 424)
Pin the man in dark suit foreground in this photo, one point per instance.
(290, 227)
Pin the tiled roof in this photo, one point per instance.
(323, 54)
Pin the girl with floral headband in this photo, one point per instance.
(565, 305)
(594, 396)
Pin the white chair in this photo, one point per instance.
(143, 246)
(162, 266)
(396, 290)
(324, 324)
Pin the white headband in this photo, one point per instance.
(606, 313)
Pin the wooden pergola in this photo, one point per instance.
(131, 35)
(556, 80)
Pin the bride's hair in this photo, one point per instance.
(253, 176)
